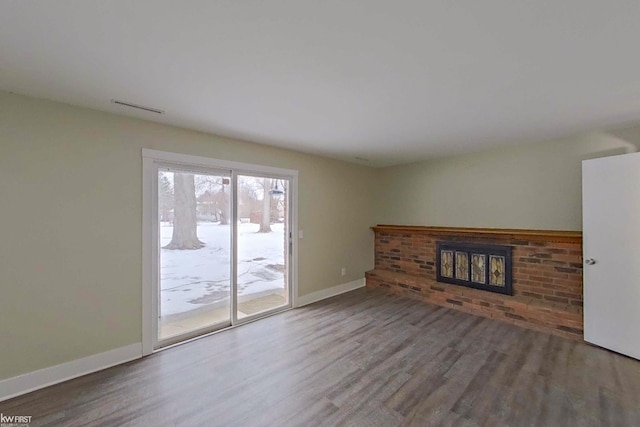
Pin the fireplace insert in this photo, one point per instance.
(486, 267)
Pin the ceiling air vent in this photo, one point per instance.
(139, 107)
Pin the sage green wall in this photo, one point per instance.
(71, 222)
(71, 225)
(534, 186)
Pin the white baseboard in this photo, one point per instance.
(31, 381)
(330, 292)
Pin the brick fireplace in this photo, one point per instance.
(546, 269)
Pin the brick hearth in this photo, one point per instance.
(547, 274)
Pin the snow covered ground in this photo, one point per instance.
(193, 279)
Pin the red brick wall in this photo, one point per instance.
(544, 270)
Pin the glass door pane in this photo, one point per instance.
(194, 255)
(263, 245)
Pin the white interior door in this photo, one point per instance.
(611, 249)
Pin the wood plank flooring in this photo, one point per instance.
(363, 358)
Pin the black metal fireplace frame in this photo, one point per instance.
(481, 249)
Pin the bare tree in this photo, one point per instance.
(224, 203)
(185, 231)
(248, 196)
(265, 224)
(218, 195)
(165, 197)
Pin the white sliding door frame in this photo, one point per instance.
(154, 160)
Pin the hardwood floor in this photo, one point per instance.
(359, 359)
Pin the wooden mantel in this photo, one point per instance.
(494, 233)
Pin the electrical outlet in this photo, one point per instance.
(344, 271)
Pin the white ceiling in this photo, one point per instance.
(390, 81)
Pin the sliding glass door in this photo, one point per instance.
(195, 252)
(223, 248)
(263, 245)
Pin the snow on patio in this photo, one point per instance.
(192, 279)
